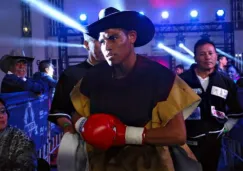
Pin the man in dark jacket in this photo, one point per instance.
(15, 79)
(62, 108)
(219, 104)
(45, 73)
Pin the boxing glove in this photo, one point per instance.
(103, 131)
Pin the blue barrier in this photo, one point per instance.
(29, 113)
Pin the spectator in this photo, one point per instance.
(179, 69)
(15, 79)
(222, 63)
(46, 70)
(17, 151)
(233, 72)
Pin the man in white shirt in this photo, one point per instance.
(217, 91)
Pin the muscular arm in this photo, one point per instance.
(173, 133)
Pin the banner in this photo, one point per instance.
(29, 113)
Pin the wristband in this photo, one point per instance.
(225, 130)
(79, 124)
(134, 135)
(66, 125)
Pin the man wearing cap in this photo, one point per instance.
(129, 107)
(15, 79)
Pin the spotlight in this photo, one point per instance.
(165, 14)
(83, 19)
(26, 29)
(181, 45)
(220, 14)
(160, 45)
(194, 15)
(180, 40)
(141, 12)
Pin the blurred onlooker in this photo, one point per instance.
(233, 72)
(179, 69)
(46, 70)
(15, 80)
(17, 151)
(222, 63)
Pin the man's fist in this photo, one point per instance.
(103, 131)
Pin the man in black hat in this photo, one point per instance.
(15, 79)
(129, 107)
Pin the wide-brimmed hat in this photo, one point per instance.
(15, 56)
(127, 20)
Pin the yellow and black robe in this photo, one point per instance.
(151, 95)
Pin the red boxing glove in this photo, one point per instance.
(103, 131)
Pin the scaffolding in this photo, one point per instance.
(237, 14)
(26, 28)
(224, 29)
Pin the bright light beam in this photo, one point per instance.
(187, 50)
(36, 42)
(55, 14)
(228, 55)
(176, 54)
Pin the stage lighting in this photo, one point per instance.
(83, 19)
(194, 15)
(180, 40)
(25, 29)
(220, 14)
(160, 45)
(165, 14)
(141, 12)
(181, 45)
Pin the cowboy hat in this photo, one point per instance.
(7, 60)
(128, 20)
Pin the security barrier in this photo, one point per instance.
(29, 113)
(232, 149)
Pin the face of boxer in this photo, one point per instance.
(117, 45)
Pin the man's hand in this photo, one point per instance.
(68, 128)
(103, 131)
(66, 125)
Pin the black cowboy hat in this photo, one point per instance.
(8, 60)
(128, 20)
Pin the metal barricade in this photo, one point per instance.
(51, 145)
(232, 155)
